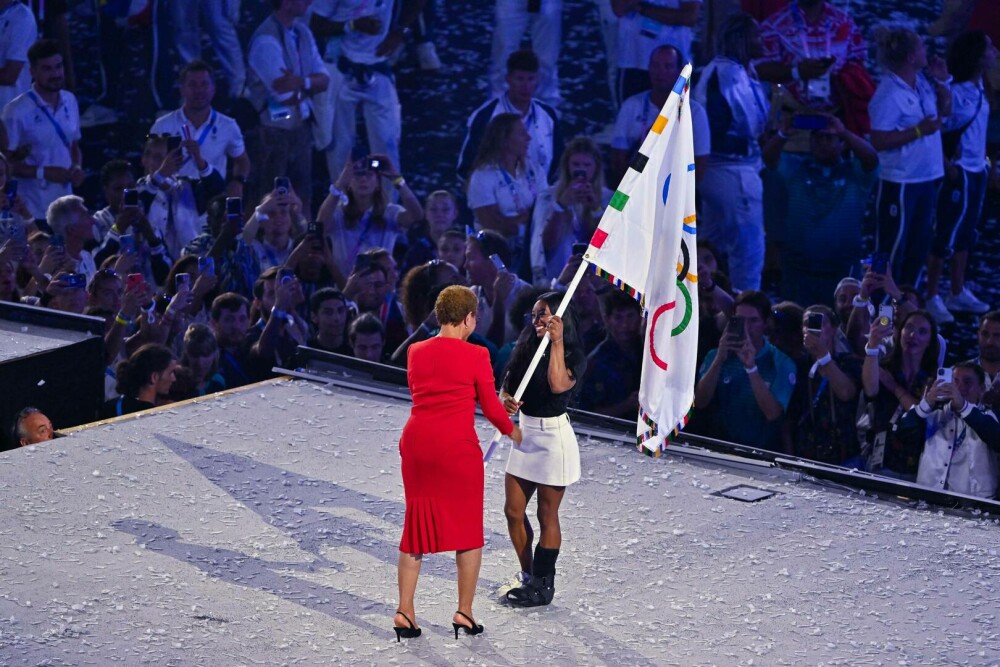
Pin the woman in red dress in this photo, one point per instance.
(441, 457)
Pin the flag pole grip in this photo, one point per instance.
(570, 289)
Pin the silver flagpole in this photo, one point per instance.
(570, 289)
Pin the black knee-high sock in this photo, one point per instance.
(545, 562)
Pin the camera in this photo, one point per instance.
(234, 207)
(285, 276)
(134, 280)
(809, 121)
(814, 322)
(206, 266)
(736, 328)
(74, 280)
(282, 185)
(580, 248)
(375, 164)
(126, 244)
(314, 229)
(173, 142)
(130, 198)
(182, 281)
(497, 262)
(880, 262)
(885, 315)
(944, 376)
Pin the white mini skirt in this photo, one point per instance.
(549, 453)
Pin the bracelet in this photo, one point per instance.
(824, 360)
(872, 351)
(916, 129)
(122, 320)
(556, 340)
(860, 302)
(751, 370)
(399, 181)
(40, 173)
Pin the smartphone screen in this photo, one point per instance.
(130, 198)
(234, 207)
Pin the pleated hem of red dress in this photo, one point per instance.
(424, 532)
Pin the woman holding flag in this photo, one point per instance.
(548, 458)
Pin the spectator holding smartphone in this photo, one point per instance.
(744, 385)
(894, 386)
(487, 256)
(827, 194)
(823, 408)
(569, 211)
(274, 222)
(357, 214)
(962, 436)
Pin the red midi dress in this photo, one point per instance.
(441, 456)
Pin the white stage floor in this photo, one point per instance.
(261, 527)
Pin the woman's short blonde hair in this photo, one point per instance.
(454, 304)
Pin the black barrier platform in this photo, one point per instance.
(51, 360)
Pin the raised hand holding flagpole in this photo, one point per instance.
(644, 245)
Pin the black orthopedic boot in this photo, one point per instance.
(540, 589)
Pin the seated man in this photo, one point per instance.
(230, 320)
(31, 426)
(827, 198)
(963, 437)
(329, 314)
(614, 368)
(988, 337)
(367, 338)
(745, 384)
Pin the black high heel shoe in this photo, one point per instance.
(408, 632)
(474, 630)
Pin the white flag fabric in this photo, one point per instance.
(645, 246)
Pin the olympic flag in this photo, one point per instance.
(645, 246)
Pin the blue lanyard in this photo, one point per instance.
(44, 109)
(208, 128)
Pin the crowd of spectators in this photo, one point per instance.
(216, 256)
